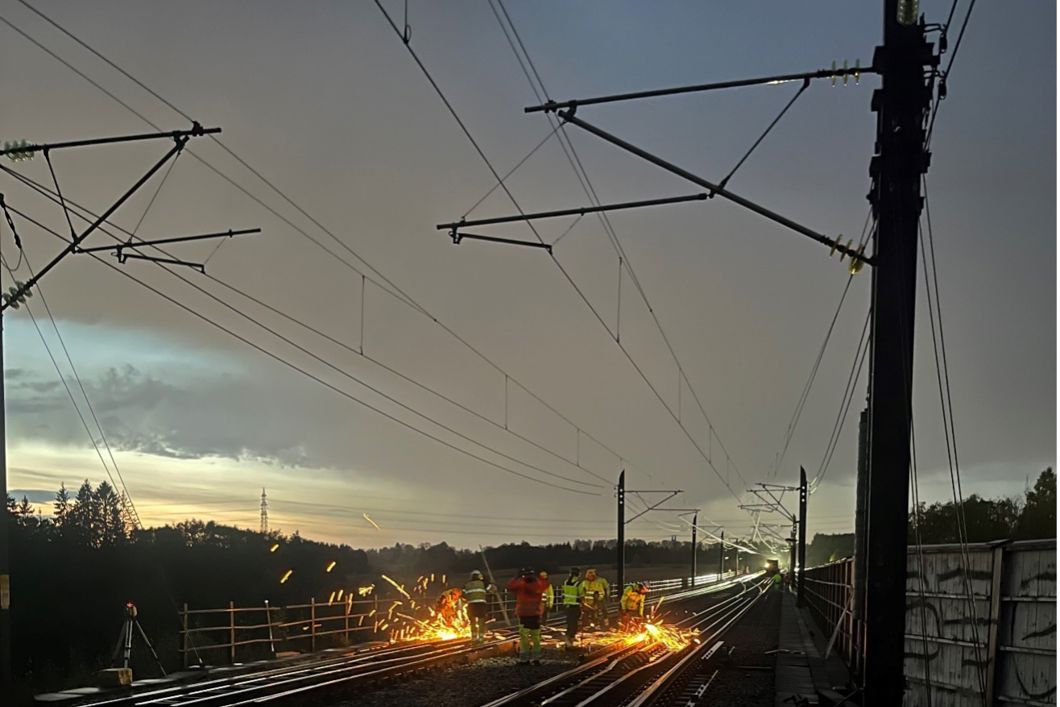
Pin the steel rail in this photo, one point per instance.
(358, 657)
(619, 671)
(690, 665)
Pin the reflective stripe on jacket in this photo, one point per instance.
(475, 591)
(573, 591)
(548, 598)
(592, 587)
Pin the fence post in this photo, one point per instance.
(995, 623)
(312, 625)
(231, 632)
(346, 635)
(184, 623)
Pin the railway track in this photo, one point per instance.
(629, 674)
(316, 680)
(289, 682)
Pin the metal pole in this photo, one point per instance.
(695, 520)
(500, 599)
(791, 554)
(184, 624)
(721, 557)
(834, 72)
(860, 509)
(312, 624)
(231, 631)
(901, 104)
(803, 497)
(717, 189)
(268, 620)
(620, 546)
(6, 686)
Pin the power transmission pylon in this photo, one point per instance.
(264, 513)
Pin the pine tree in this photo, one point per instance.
(81, 517)
(61, 507)
(111, 524)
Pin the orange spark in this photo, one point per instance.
(376, 525)
(286, 576)
(396, 586)
(331, 566)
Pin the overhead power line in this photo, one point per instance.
(125, 499)
(280, 359)
(537, 235)
(383, 283)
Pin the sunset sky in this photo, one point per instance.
(324, 100)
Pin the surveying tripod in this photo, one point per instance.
(125, 639)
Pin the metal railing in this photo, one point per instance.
(829, 593)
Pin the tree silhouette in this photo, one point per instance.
(1038, 519)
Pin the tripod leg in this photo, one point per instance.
(128, 641)
(117, 646)
(151, 648)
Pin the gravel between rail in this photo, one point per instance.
(746, 675)
(465, 685)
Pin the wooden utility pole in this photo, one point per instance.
(897, 167)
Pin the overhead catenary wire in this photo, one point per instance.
(69, 391)
(384, 284)
(347, 347)
(914, 487)
(844, 406)
(575, 162)
(938, 342)
(945, 74)
(800, 405)
(293, 366)
(563, 270)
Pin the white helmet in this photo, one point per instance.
(475, 574)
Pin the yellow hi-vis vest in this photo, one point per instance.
(475, 591)
(548, 598)
(573, 591)
(632, 600)
(591, 587)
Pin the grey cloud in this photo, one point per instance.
(221, 416)
(33, 495)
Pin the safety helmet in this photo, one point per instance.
(590, 571)
(526, 572)
(475, 574)
(543, 574)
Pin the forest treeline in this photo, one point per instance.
(73, 572)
